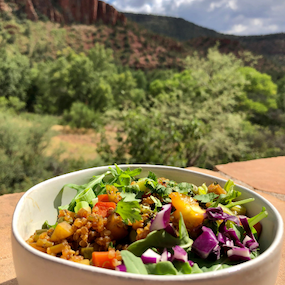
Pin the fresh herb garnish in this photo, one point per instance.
(129, 211)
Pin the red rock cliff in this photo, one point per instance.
(69, 11)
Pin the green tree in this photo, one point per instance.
(71, 77)
(192, 120)
(14, 75)
(259, 95)
(124, 89)
(102, 59)
(281, 94)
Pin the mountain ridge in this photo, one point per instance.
(66, 11)
(142, 18)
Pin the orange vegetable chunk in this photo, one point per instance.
(104, 259)
(102, 208)
(216, 188)
(192, 213)
(103, 198)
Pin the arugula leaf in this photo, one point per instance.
(157, 202)
(129, 211)
(229, 185)
(202, 190)
(254, 254)
(133, 263)
(123, 179)
(46, 225)
(151, 184)
(254, 220)
(152, 176)
(185, 241)
(134, 172)
(206, 197)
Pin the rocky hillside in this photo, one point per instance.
(270, 47)
(144, 41)
(66, 11)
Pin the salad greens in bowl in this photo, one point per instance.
(143, 224)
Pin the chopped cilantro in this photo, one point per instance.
(129, 197)
(152, 176)
(129, 211)
(206, 198)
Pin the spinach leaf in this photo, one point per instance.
(133, 263)
(161, 268)
(196, 269)
(207, 265)
(152, 176)
(160, 239)
(182, 267)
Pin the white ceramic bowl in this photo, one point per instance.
(37, 205)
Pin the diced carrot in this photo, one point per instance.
(104, 259)
(102, 208)
(103, 198)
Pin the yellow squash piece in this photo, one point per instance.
(216, 188)
(61, 231)
(84, 261)
(192, 213)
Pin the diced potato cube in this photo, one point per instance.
(61, 231)
(84, 261)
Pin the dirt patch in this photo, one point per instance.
(78, 143)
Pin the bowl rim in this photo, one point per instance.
(251, 264)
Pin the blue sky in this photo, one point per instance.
(238, 17)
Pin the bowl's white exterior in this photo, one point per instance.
(37, 205)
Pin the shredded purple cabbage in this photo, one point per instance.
(205, 243)
(150, 256)
(161, 221)
(215, 214)
(121, 267)
(238, 254)
(179, 254)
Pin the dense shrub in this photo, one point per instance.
(24, 161)
(80, 116)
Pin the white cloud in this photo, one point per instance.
(240, 17)
(236, 29)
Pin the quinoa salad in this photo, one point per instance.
(152, 225)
